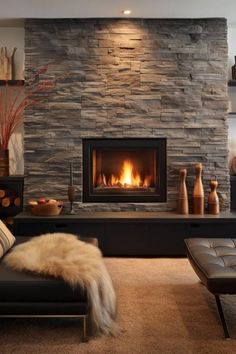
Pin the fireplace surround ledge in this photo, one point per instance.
(132, 233)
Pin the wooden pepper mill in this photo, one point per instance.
(213, 199)
(183, 194)
(198, 191)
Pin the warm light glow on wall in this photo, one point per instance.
(126, 12)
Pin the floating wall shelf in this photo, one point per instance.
(12, 82)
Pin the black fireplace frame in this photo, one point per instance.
(89, 196)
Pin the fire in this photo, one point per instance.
(129, 178)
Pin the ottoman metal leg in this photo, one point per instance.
(85, 328)
(84, 318)
(222, 317)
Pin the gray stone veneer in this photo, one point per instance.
(127, 78)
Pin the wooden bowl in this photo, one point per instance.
(48, 209)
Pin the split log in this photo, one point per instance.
(10, 220)
(17, 201)
(7, 201)
(7, 193)
(2, 193)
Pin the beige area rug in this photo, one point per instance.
(162, 309)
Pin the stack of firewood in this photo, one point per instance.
(8, 197)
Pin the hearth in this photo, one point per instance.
(124, 170)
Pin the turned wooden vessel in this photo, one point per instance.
(198, 191)
(213, 199)
(183, 194)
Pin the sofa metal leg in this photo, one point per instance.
(85, 325)
(222, 317)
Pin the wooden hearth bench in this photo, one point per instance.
(131, 233)
(214, 261)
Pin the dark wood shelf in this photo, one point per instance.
(232, 83)
(232, 113)
(11, 178)
(12, 82)
(127, 217)
(131, 233)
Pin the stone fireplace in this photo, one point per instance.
(124, 79)
(124, 170)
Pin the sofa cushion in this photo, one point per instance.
(30, 287)
(6, 239)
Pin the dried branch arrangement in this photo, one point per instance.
(14, 100)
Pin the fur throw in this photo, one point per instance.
(79, 264)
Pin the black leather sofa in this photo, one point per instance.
(214, 261)
(24, 294)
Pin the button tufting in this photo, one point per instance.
(214, 260)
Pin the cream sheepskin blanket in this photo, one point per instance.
(77, 263)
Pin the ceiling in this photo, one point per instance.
(15, 9)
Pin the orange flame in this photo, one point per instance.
(128, 178)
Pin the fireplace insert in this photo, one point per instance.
(124, 170)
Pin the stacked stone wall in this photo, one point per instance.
(127, 78)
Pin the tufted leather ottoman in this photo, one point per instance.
(214, 261)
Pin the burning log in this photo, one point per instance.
(129, 178)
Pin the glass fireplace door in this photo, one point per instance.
(122, 170)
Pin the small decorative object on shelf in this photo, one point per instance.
(71, 190)
(43, 207)
(213, 199)
(6, 64)
(71, 174)
(234, 70)
(183, 194)
(198, 191)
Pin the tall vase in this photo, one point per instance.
(213, 199)
(4, 162)
(234, 70)
(183, 194)
(198, 191)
